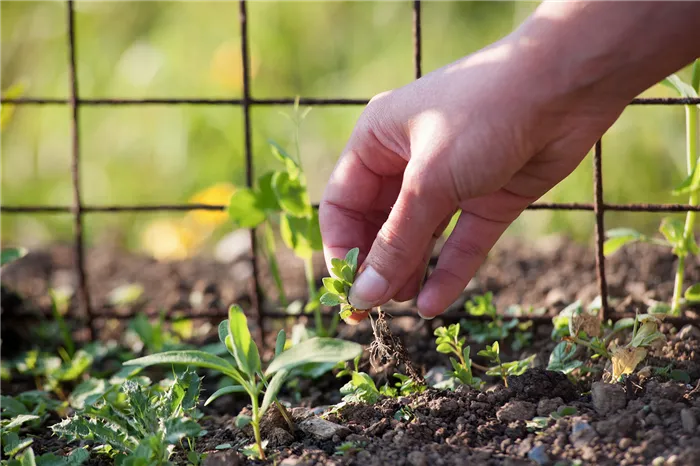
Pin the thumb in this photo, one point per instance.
(401, 242)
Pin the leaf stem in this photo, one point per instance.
(311, 283)
(255, 422)
(691, 130)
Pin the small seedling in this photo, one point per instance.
(246, 367)
(144, 425)
(679, 236)
(361, 387)
(541, 422)
(497, 329)
(348, 448)
(337, 287)
(448, 341)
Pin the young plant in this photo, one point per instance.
(448, 341)
(361, 387)
(504, 369)
(143, 426)
(679, 236)
(246, 367)
(337, 287)
(283, 194)
(497, 329)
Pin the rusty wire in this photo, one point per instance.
(246, 101)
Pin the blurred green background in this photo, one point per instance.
(165, 154)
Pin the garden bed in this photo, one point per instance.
(650, 419)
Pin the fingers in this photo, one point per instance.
(401, 244)
(463, 253)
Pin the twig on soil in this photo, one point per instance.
(386, 347)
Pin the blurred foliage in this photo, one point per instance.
(166, 154)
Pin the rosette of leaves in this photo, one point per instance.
(337, 287)
(143, 426)
(245, 366)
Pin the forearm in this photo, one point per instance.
(608, 50)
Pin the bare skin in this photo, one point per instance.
(489, 134)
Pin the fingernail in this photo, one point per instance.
(369, 288)
(424, 317)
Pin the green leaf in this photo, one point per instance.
(627, 322)
(17, 421)
(347, 274)
(672, 229)
(272, 389)
(242, 420)
(695, 77)
(329, 299)
(315, 350)
(265, 195)
(677, 84)
(223, 334)
(692, 294)
(294, 232)
(28, 458)
(224, 391)
(610, 246)
(314, 233)
(282, 155)
(187, 357)
(245, 349)
(244, 209)
(351, 258)
(686, 186)
(178, 428)
(444, 348)
(291, 195)
(8, 255)
(280, 342)
(330, 285)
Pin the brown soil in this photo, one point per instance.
(657, 418)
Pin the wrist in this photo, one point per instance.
(592, 56)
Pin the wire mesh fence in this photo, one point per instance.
(78, 209)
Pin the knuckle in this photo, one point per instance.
(392, 248)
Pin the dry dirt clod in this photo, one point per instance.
(516, 411)
(386, 347)
(322, 429)
(608, 398)
(690, 423)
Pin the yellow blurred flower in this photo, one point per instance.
(169, 239)
(218, 194)
(226, 66)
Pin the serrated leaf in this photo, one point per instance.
(330, 299)
(178, 428)
(224, 391)
(244, 209)
(245, 349)
(692, 294)
(315, 350)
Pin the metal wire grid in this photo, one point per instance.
(78, 209)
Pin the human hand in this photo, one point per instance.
(489, 135)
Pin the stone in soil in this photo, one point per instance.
(322, 429)
(689, 421)
(548, 406)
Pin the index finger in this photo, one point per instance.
(359, 195)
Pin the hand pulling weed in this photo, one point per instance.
(246, 367)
